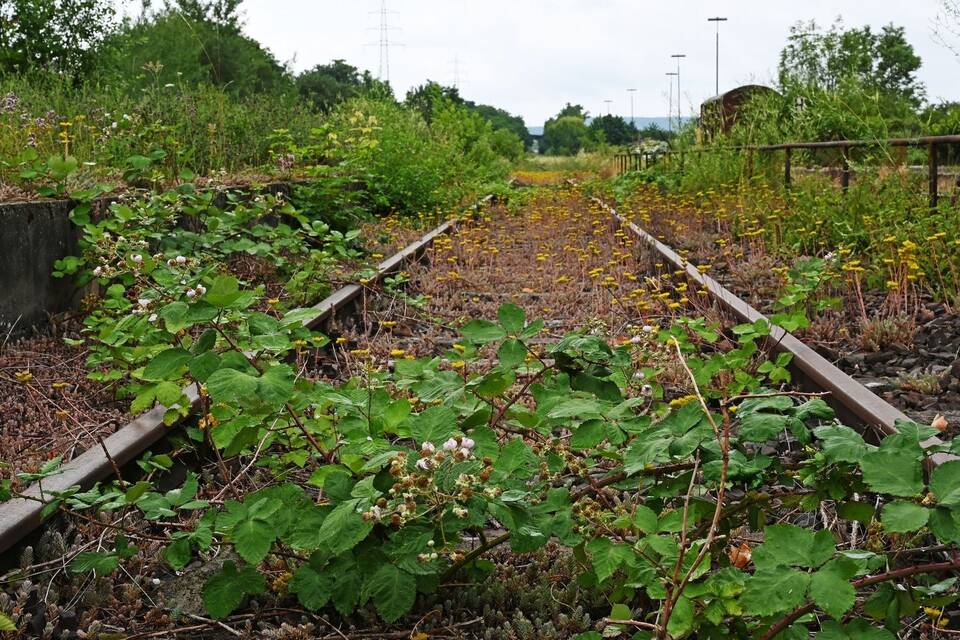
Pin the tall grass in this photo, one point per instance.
(199, 128)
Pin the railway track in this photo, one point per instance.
(854, 403)
(20, 517)
(466, 278)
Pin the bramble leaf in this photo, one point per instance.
(897, 473)
(945, 483)
(224, 591)
(393, 592)
(902, 516)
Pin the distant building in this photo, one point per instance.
(719, 113)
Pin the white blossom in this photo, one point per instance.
(450, 444)
(153, 317)
(137, 258)
(98, 271)
(467, 443)
(428, 447)
(424, 463)
(191, 293)
(181, 260)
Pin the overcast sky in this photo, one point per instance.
(532, 56)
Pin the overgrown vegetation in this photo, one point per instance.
(182, 91)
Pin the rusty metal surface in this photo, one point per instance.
(852, 401)
(21, 516)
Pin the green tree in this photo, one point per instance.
(654, 132)
(503, 120)
(194, 44)
(880, 61)
(425, 98)
(612, 130)
(564, 135)
(326, 85)
(574, 110)
(59, 35)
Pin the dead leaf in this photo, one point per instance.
(740, 556)
(939, 423)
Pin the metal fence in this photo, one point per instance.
(933, 145)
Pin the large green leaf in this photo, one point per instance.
(435, 424)
(275, 386)
(230, 385)
(99, 562)
(224, 591)
(512, 318)
(841, 444)
(166, 363)
(790, 545)
(482, 331)
(223, 292)
(897, 473)
(774, 590)
(761, 427)
(253, 539)
(312, 588)
(945, 483)
(902, 516)
(589, 434)
(832, 592)
(393, 592)
(343, 528)
(608, 556)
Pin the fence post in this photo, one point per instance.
(786, 167)
(934, 175)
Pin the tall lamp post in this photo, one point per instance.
(607, 102)
(631, 92)
(670, 103)
(679, 56)
(717, 20)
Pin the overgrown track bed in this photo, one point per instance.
(898, 340)
(607, 420)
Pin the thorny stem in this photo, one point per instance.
(934, 567)
(674, 591)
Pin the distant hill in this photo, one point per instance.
(639, 122)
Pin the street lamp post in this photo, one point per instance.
(631, 92)
(607, 102)
(679, 56)
(717, 20)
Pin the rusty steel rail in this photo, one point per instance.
(21, 516)
(852, 401)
